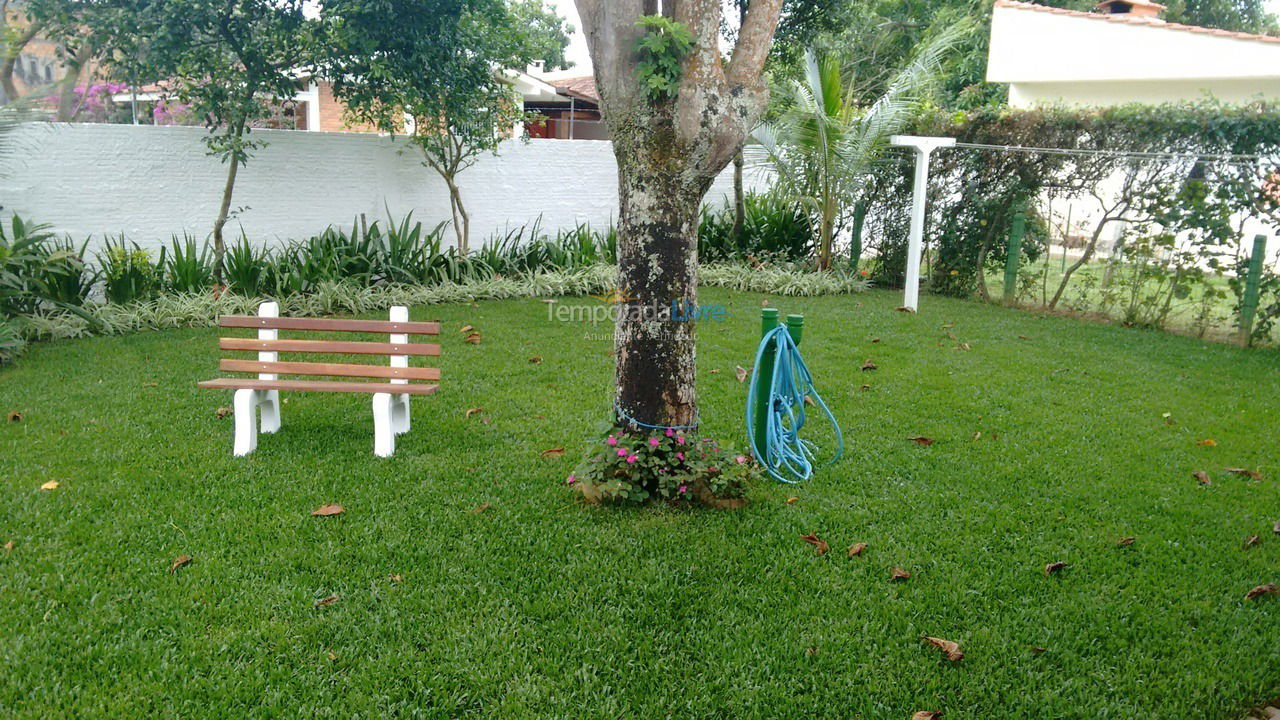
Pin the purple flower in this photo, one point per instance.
(653, 442)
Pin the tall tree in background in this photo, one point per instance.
(231, 61)
(678, 112)
(439, 63)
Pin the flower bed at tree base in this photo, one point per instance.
(669, 465)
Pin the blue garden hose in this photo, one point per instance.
(786, 456)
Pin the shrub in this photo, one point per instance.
(128, 274)
(772, 229)
(186, 268)
(11, 342)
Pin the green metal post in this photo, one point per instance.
(855, 243)
(1015, 254)
(764, 377)
(1249, 303)
(795, 327)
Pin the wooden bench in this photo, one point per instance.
(262, 394)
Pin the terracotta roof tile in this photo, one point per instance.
(1144, 22)
(582, 87)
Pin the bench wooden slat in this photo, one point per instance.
(328, 369)
(316, 386)
(385, 327)
(328, 346)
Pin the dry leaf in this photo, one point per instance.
(904, 309)
(327, 601)
(1125, 541)
(793, 499)
(857, 549)
(927, 715)
(868, 365)
(899, 574)
(716, 371)
(963, 346)
(819, 546)
(1275, 527)
(479, 508)
(740, 373)
(179, 562)
(811, 651)
(1253, 474)
(921, 440)
(553, 452)
(865, 388)
(473, 338)
(14, 416)
(1036, 649)
(535, 360)
(1207, 442)
(150, 384)
(809, 401)
(1268, 589)
(466, 329)
(1023, 337)
(1202, 476)
(397, 577)
(331, 656)
(875, 339)
(470, 412)
(1253, 540)
(51, 485)
(947, 326)
(1054, 567)
(222, 412)
(949, 648)
(8, 547)
(328, 510)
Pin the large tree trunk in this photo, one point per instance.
(668, 153)
(739, 202)
(461, 220)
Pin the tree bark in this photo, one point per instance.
(68, 108)
(219, 246)
(13, 49)
(739, 203)
(461, 220)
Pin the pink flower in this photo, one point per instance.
(680, 439)
(662, 471)
(631, 459)
(653, 442)
(684, 489)
(670, 432)
(742, 459)
(611, 440)
(571, 480)
(622, 452)
(680, 456)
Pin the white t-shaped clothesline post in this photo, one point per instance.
(924, 146)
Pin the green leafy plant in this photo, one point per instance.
(187, 268)
(128, 273)
(11, 342)
(662, 50)
(774, 228)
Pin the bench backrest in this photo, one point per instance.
(269, 346)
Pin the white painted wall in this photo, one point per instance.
(1049, 55)
(150, 182)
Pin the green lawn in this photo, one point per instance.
(541, 607)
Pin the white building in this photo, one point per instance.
(1124, 53)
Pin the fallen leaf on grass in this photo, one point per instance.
(328, 510)
(150, 384)
(553, 452)
(792, 499)
(875, 339)
(331, 656)
(479, 508)
(1023, 337)
(397, 578)
(868, 365)
(1207, 442)
(819, 545)
(949, 648)
(1253, 540)
(1125, 541)
(535, 360)
(466, 329)
(1268, 589)
(811, 651)
(921, 440)
(809, 401)
(14, 416)
(899, 574)
(740, 373)
(1202, 476)
(946, 326)
(327, 601)
(927, 715)
(857, 549)
(1036, 650)
(904, 309)
(1054, 567)
(716, 371)
(470, 412)
(222, 412)
(179, 562)
(51, 485)
(473, 338)
(1253, 474)
(865, 388)
(1275, 527)
(963, 346)
(8, 547)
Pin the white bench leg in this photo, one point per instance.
(400, 414)
(245, 407)
(384, 436)
(269, 405)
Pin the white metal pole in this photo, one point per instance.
(911, 292)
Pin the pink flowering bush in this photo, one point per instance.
(667, 465)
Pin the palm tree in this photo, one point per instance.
(823, 143)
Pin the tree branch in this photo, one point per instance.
(754, 40)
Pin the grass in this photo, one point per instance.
(540, 607)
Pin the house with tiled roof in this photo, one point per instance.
(564, 105)
(1124, 52)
